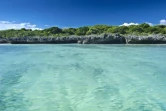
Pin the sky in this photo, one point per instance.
(40, 14)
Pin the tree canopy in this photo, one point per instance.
(86, 30)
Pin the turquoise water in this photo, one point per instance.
(82, 77)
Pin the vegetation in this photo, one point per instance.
(142, 29)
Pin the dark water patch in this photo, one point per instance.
(98, 72)
(12, 48)
(9, 97)
(109, 95)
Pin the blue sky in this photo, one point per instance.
(39, 14)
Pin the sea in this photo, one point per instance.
(82, 77)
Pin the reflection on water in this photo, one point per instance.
(82, 77)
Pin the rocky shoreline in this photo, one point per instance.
(90, 39)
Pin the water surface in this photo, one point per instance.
(82, 77)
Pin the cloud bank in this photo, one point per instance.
(128, 24)
(4, 25)
(163, 22)
(151, 24)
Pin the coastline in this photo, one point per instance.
(90, 39)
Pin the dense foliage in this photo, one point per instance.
(142, 29)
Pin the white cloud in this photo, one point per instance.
(151, 24)
(4, 25)
(163, 22)
(128, 24)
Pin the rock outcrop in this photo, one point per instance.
(3, 41)
(153, 39)
(103, 39)
(90, 39)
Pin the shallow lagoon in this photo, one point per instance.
(75, 77)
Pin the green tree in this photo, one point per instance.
(54, 30)
(135, 28)
(92, 31)
(69, 31)
(144, 25)
(82, 30)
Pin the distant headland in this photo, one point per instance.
(98, 34)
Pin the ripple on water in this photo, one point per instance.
(82, 77)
